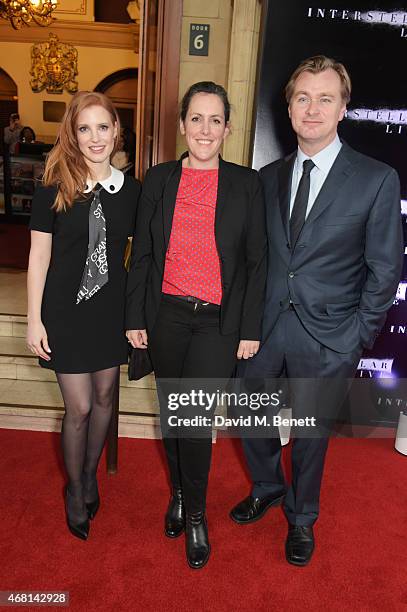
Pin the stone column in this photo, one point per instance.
(244, 51)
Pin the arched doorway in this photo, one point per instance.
(121, 87)
(8, 100)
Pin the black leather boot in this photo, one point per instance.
(175, 516)
(197, 543)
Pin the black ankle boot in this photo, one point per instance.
(79, 530)
(175, 516)
(197, 543)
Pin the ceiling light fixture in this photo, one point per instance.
(22, 12)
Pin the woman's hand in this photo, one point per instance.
(137, 338)
(37, 340)
(40, 255)
(247, 348)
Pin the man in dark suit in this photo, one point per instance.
(335, 253)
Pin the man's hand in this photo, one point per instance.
(137, 338)
(247, 348)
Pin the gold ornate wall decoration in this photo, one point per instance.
(54, 66)
(22, 12)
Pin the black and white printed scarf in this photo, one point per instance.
(95, 274)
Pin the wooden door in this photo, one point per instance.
(157, 108)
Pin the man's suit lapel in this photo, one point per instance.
(285, 173)
(341, 170)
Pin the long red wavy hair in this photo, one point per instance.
(66, 167)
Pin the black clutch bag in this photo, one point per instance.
(139, 363)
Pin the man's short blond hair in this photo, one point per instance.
(315, 65)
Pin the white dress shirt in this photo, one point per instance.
(323, 163)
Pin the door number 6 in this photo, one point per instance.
(199, 42)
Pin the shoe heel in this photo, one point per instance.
(92, 508)
(79, 530)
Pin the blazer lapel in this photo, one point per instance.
(341, 170)
(224, 188)
(169, 198)
(285, 173)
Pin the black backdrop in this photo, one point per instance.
(370, 38)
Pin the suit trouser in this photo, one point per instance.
(186, 343)
(291, 351)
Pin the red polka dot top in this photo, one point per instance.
(192, 264)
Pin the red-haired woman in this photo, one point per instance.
(81, 217)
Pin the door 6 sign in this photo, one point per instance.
(199, 39)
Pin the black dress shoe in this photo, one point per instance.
(175, 516)
(251, 509)
(299, 545)
(79, 530)
(197, 543)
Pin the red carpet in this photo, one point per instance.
(14, 246)
(360, 562)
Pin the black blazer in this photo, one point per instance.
(240, 234)
(343, 272)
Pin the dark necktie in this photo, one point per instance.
(298, 213)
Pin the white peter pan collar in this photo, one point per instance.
(112, 184)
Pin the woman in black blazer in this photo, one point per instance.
(196, 285)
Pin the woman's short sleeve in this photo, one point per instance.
(42, 215)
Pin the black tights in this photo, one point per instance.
(88, 400)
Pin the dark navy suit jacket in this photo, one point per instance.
(343, 272)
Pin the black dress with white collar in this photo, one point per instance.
(88, 336)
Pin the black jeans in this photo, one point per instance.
(186, 343)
